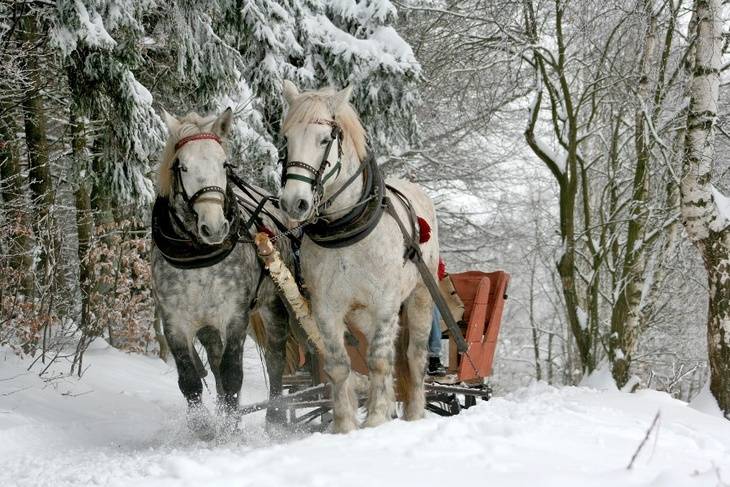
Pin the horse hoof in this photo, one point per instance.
(372, 422)
(414, 416)
(275, 416)
(343, 427)
(200, 423)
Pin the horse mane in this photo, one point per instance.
(313, 105)
(190, 124)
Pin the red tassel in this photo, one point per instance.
(266, 230)
(424, 230)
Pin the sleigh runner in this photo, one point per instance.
(475, 300)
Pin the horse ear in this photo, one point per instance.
(222, 124)
(341, 97)
(291, 92)
(172, 123)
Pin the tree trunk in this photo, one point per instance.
(82, 194)
(706, 226)
(533, 324)
(626, 312)
(39, 173)
(717, 263)
(11, 176)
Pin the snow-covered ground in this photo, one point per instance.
(123, 424)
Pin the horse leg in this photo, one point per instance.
(337, 368)
(380, 364)
(232, 363)
(419, 308)
(188, 379)
(211, 340)
(276, 319)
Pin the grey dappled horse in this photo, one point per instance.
(206, 297)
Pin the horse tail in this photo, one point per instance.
(403, 377)
(258, 330)
(198, 363)
(292, 354)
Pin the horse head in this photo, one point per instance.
(193, 175)
(324, 136)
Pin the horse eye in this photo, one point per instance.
(325, 142)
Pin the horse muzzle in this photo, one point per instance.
(213, 227)
(213, 237)
(296, 208)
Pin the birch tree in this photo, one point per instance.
(706, 211)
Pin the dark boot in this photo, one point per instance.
(435, 368)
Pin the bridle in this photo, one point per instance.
(320, 177)
(177, 170)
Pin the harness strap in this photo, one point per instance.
(361, 220)
(413, 252)
(180, 247)
(360, 170)
(247, 189)
(203, 190)
(320, 177)
(262, 272)
(200, 136)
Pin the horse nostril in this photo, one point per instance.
(302, 205)
(225, 228)
(205, 231)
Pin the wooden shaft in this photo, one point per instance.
(284, 280)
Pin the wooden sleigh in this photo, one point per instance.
(475, 298)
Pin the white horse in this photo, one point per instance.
(369, 282)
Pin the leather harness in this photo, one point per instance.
(362, 219)
(182, 248)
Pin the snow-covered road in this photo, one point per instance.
(123, 424)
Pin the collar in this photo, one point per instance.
(359, 222)
(181, 249)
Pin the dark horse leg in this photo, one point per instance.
(277, 319)
(211, 340)
(231, 371)
(188, 379)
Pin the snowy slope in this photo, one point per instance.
(123, 424)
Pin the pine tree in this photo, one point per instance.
(101, 41)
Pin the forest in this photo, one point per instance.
(582, 146)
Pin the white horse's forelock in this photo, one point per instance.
(313, 105)
(190, 124)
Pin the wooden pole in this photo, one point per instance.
(284, 280)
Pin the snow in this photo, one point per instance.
(706, 402)
(383, 48)
(600, 379)
(582, 318)
(92, 28)
(363, 12)
(722, 203)
(123, 424)
(387, 36)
